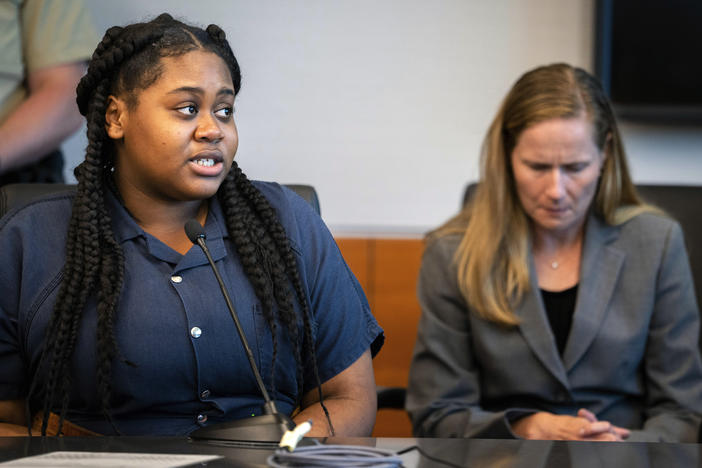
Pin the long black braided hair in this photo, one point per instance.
(126, 61)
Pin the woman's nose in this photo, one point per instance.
(556, 184)
(208, 129)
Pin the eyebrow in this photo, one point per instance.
(549, 164)
(200, 91)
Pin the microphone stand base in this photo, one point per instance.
(264, 428)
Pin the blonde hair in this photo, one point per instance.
(492, 258)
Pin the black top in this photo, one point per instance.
(559, 309)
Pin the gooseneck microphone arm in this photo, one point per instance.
(196, 234)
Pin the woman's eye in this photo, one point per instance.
(576, 167)
(224, 112)
(188, 110)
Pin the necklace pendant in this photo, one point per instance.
(554, 265)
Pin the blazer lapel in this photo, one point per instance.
(536, 329)
(599, 270)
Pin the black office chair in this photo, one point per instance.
(308, 193)
(16, 195)
(684, 204)
(391, 397)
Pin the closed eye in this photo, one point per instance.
(539, 167)
(576, 167)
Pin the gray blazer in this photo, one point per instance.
(631, 357)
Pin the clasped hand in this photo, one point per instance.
(584, 426)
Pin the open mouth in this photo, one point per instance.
(207, 162)
(207, 158)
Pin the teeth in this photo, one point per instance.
(205, 162)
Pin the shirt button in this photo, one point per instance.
(201, 418)
(195, 332)
(205, 394)
(177, 279)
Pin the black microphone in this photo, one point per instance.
(268, 427)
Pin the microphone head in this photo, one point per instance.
(194, 231)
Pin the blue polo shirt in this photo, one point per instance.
(172, 323)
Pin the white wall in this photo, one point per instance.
(382, 105)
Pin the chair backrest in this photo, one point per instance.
(684, 204)
(16, 195)
(308, 193)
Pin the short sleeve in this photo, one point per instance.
(12, 383)
(12, 365)
(56, 32)
(32, 240)
(343, 325)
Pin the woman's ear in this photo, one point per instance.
(115, 117)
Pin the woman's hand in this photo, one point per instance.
(12, 420)
(621, 432)
(584, 426)
(15, 430)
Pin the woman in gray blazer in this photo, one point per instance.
(556, 305)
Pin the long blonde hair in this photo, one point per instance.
(492, 258)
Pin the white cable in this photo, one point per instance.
(335, 456)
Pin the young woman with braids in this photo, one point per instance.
(111, 320)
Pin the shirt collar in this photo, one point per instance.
(125, 228)
(215, 233)
(123, 225)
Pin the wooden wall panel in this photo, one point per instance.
(355, 252)
(387, 269)
(395, 269)
(392, 423)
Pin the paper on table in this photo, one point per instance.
(109, 459)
